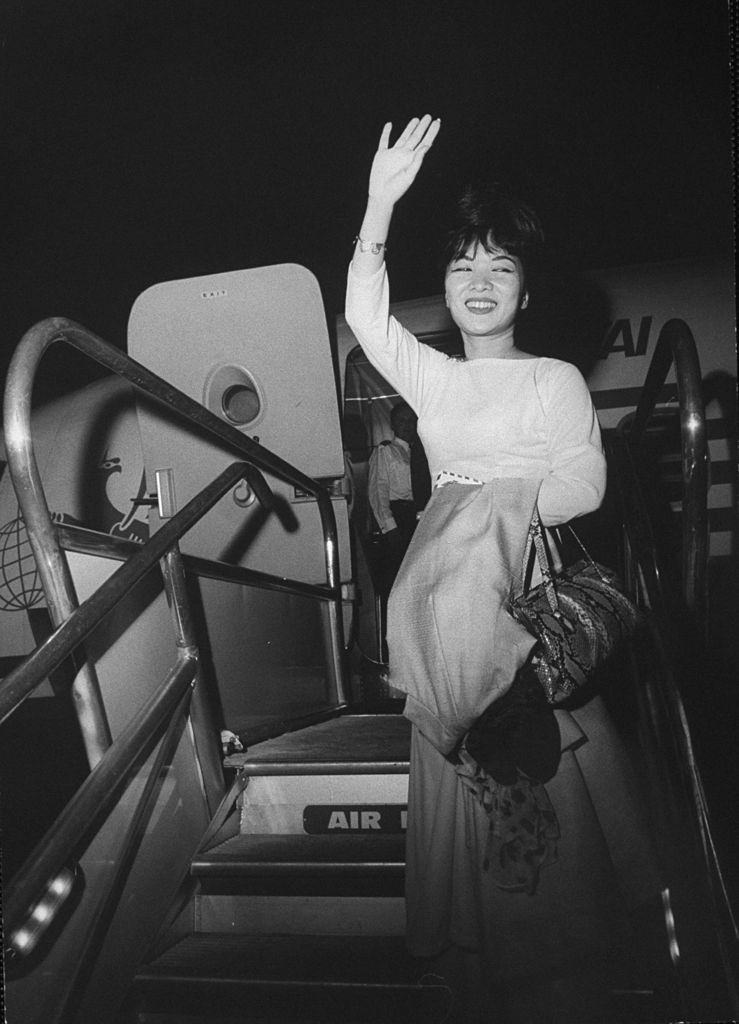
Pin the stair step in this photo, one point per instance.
(296, 913)
(350, 744)
(310, 803)
(359, 865)
(245, 855)
(323, 978)
(245, 1017)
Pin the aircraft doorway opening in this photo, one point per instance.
(368, 403)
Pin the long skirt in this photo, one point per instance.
(453, 649)
(453, 646)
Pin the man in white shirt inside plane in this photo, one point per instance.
(398, 489)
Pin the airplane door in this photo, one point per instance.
(252, 346)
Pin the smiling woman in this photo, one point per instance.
(502, 841)
(487, 270)
(484, 292)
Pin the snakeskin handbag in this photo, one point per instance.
(579, 617)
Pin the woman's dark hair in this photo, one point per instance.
(491, 217)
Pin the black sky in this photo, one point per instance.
(146, 141)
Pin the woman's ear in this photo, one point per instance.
(525, 300)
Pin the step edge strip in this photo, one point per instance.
(247, 868)
(188, 981)
(323, 767)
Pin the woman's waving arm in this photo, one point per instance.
(393, 171)
(391, 349)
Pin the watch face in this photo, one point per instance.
(374, 247)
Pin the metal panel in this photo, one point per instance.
(263, 330)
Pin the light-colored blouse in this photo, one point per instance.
(488, 418)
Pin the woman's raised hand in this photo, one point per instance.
(393, 171)
(394, 168)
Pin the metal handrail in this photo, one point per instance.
(100, 791)
(79, 973)
(52, 565)
(676, 345)
(16, 686)
(84, 541)
(643, 565)
(97, 795)
(114, 761)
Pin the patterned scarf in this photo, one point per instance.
(523, 832)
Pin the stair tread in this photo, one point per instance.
(246, 854)
(378, 743)
(292, 959)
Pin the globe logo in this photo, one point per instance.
(20, 587)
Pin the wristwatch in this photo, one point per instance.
(374, 247)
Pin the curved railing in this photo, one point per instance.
(664, 694)
(666, 720)
(113, 762)
(52, 564)
(676, 346)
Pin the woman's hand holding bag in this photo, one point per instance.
(579, 617)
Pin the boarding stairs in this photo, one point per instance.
(292, 907)
(298, 893)
(298, 902)
(295, 913)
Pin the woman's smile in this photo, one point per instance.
(478, 306)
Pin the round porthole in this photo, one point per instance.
(241, 404)
(232, 393)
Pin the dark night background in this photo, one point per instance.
(146, 141)
(149, 140)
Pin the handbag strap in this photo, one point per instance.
(587, 554)
(535, 540)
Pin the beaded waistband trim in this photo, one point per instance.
(446, 477)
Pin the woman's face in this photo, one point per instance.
(484, 291)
